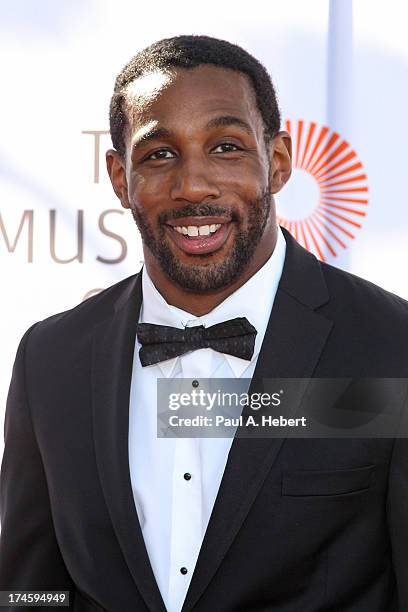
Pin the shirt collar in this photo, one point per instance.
(253, 300)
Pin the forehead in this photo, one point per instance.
(192, 96)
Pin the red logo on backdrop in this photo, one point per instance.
(325, 201)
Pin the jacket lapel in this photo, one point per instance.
(293, 343)
(113, 348)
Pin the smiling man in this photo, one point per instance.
(197, 163)
(95, 503)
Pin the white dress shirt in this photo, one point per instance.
(174, 512)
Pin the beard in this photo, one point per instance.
(205, 276)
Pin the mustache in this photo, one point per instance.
(198, 210)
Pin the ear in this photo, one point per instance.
(281, 160)
(116, 166)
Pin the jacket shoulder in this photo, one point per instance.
(81, 319)
(369, 335)
(362, 295)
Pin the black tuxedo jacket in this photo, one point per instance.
(299, 525)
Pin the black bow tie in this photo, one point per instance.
(160, 342)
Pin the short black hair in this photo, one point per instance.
(190, 52)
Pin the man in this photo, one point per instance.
(92, 501)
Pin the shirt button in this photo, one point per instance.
(183, 570)
(195, 383)
(187, 476)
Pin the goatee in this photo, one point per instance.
(203, 276)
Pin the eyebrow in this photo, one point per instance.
(227, 120)
(222, 121)
(153, 134)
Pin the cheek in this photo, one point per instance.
(147, 193)
(239, 182)
(248, 191)
(250, 179)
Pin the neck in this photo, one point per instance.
(200, 304)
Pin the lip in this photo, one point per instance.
(200, 245)
(199, 221)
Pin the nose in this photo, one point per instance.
(194, 182)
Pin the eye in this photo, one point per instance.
(160, 154)
(226, 147)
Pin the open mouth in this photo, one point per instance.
(198, 236)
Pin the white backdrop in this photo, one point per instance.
(62, 231)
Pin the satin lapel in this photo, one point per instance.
(292, 346)
(114, 341)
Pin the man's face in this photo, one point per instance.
(198, 176)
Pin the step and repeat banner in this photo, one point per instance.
(340, 72)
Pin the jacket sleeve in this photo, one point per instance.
(397, 508)
(30, 558)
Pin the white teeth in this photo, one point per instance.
(194, 230)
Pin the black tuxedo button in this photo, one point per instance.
(195, 383)
(183, 570)
(187, 476)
